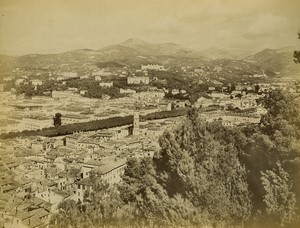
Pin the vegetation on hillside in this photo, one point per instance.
(206, 174)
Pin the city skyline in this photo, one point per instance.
(59, 26)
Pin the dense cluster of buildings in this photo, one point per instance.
(38, 173)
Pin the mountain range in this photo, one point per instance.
(134, 52)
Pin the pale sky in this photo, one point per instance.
(53, 26)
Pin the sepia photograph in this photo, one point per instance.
(149, 114)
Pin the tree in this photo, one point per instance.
(279, 200)
(272, 155)
(68, 215)
(297, 53)
(193, 164)
(141, 190)
(26, 89)
(149, 201)
(57, 119)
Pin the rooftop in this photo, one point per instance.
(110, 165)
(61, 193)
(74, 116)
(37, 117)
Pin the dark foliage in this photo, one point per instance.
(57, 119)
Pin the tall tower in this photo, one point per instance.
(136, 123)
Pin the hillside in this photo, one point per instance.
(277, 61)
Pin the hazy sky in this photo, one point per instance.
(51, 26)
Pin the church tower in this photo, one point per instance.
(136, 123)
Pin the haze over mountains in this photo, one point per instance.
(134, 52)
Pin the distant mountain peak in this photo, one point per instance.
(267, 50)
(147, 48)
(134, 41)
(171, 43)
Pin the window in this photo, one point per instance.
(78, 186)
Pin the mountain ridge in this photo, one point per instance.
(140, 46)
(135, 52)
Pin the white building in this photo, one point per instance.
(19, 81)
(84, 76)
(71, 141)
(36, 122)
(138, 80)
(110, 172)
(9, 126)
(102, 73)
(106, 84)
(36, 82)
(153, 67)
(53, 196)
(127, 91)
(68, 75)
(70, 119)
(83, 92)
(175, 91)
(203, 102)
(98, 78)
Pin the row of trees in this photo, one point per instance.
(207, 174)
(71, 128)
(67, 129)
